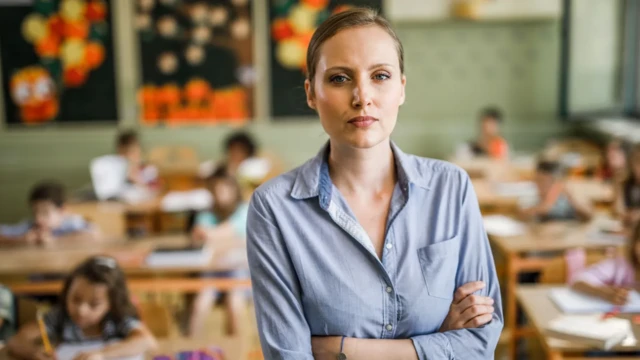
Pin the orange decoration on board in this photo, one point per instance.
(75, 76)
(76, 29)
(281, 29)
(196, 90)
(33, 91)
(94, 54)
(316, 4)
(56, 25)
(96, 11)
(49, 46)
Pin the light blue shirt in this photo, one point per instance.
(315, 272)
(238, 219)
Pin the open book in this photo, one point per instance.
(573, 302)
(70, 351)
(591, 330)
(197, 255)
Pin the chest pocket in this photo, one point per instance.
(439, 265)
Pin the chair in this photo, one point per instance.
(561, 269)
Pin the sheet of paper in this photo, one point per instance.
(573, 302)
(70, 351)
(500, 225)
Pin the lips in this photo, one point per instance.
(362, 121)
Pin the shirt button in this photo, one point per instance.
(389, 327)
(389, 289)
(389, 246)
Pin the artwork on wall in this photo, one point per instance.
(196, 61)
(292, 25)
(57, 62)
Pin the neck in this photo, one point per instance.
(362, 170)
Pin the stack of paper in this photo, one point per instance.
(500, 225)
(176, 201)
(70, 351)
(570, 301)
(180, 257)
(590, 329)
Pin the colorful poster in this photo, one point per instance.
(57, 62)
(196, 60)
(292, 25)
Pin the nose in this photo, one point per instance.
(361, 94)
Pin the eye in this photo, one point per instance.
(43, 88)
(381, 77)
(338, 79)
(21, 93)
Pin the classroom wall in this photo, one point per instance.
(453, 69)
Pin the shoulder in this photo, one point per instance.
(277, 187)
(433, 173)
(18, 229)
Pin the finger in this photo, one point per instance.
(476, 310)
(466, 290)
(478, 321)
(475, 300)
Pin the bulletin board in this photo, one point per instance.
(292, 23)
(57, 62)
(196, 61)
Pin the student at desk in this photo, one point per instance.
(489, 142)
(227, 219)
(94, 306)
(555, 202)
(627, 192)
(611, 279)
(50, 220)
(138, 173)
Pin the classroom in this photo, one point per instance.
(319, 179)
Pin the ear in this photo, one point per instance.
(402, 95)
(311, 101)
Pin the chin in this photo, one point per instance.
(365, 141)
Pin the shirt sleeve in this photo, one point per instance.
(603, 273)
(283, 329)
(475, 264)
(16, 230)
(126, 326)
(205, 219)
(239, 220)
(53, 323)
(6, 305)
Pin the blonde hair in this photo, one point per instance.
(354, 17)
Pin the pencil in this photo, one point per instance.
(43, 334)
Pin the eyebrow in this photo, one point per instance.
(344, 68)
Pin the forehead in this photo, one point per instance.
(358, 47)
(44, 205)
(82, 287)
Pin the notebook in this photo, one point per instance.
(573, 302)
(500, 225)
(196, 255)
(70, 351)
(591, 330)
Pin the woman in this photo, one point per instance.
(357, 253)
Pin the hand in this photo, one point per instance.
(44, 237)
(467, 310)
(31, 237)
(615, 295)
(199, 233)
(41, 355)
(92, 355)
(325, 347)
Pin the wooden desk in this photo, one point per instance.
(553, 238)
(229, 254)
(501, 170)
(234, 348)
(540, 310)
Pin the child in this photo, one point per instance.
(7, 316)
(611, 279)
(627, 192)
(50, 220)
(614, 162)
(228, 219)
(238, 148)
(94, 306)
(489, 142)
(128, 146)
(554, 201)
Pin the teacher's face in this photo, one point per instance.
(358, 87)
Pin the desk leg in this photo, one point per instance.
(554, 355)
(511, 317)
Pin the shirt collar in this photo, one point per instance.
(313, 176)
